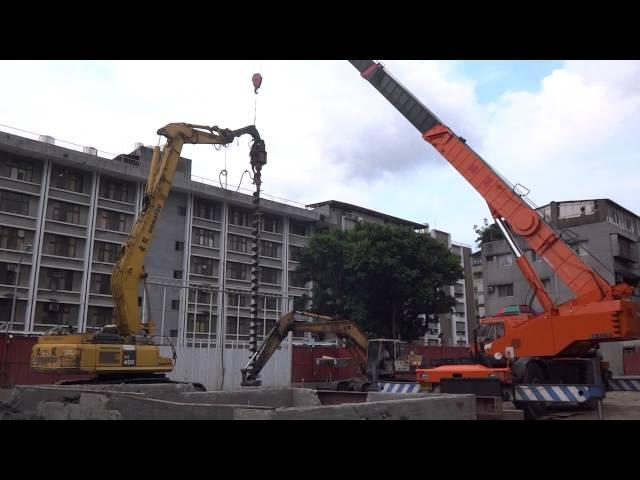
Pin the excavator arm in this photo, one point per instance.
(504, 202)
(354, 338)
(128, 271)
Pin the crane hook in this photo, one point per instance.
(257, 82)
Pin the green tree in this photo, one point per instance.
(487, 233)
(381, 277)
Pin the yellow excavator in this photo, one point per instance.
(377, 359)
(127, 350)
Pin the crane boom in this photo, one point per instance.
(503, 201)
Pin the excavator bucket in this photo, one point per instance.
(248, 381)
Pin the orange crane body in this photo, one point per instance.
(557, 345)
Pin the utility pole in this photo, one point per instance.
(15, 289)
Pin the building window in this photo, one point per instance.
(17, 169)
(56, 279)
(175, 304)
(240, 217)
(8, 272)
(532, 256)
(296, 280)
(12, 238)
(61, 246)
(204, 297)
(580, 247)
(105, 252)
(505, 260)
(270, 275)
(99, 316)
(207, 210)
(298, 228)
(505, 290)
(271, 224)
(241, 300)
(13, 202)
(182, 211)
(206, 238)
(179, 246)
(67, 179)
(63, 212)
(461, 328)
(270, 249)
(204, 266)
(115, 190)
(238, 271)
(101, 283)
(177, 274)
(477, 274)
(238, 244)
(202, 323)
(269, 303)
(238, 326)
(55, 313)
(476, 260)
(109, 220)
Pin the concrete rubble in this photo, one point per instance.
(183, 402)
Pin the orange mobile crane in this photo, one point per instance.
(531, 358)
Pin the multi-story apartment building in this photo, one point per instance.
(453, 329)
(64, 215)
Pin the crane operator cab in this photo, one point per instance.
(489, 334)
(387, 357)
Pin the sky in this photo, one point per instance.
(563, 129)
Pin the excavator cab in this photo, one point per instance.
(387, 356)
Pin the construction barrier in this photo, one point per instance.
(557, 393)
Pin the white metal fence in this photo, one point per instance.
(213, 347)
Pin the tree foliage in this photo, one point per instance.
(381, 277)
(487, 233)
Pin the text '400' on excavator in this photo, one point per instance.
(127, 349)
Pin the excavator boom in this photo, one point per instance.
(354, 337)
(128, 271)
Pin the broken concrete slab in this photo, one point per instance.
(450, 407)
(276, 397)
(62, 402)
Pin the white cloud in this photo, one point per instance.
(330, 135)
